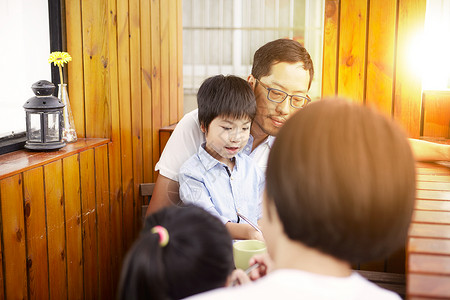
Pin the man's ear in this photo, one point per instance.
(203, 128)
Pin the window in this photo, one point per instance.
(26, 35)
(435, 59)
(221, 36)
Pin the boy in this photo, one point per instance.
(340, 189)
(220, 178)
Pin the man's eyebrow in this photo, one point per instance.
(283, 88)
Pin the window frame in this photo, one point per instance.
(16, 141)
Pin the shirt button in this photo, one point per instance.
(231, 178)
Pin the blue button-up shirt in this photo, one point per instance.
(208, 183)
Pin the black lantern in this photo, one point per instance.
(44, 118)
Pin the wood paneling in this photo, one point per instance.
(408, 83)
(436, 114)
(374, 65)
(35, 220)
(54, 196)
(352, 49)
(381, 54)
(13, 229)
(330, 51)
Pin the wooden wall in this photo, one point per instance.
(66, 225)
(367, 57)
(125, 82)
(55, 224)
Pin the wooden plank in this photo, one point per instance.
(428, 286)
(436, 106)
(408, 84)
(20, 161)
(114, 148)
(352, 49)
(434, 195)
(2, 277)
(95, 59)
(435, 178)
(156, 82)
(164, 44)
(380, 55)
(89, 222)
(14, 256)
(74, 242)
(429, 230)
(429, 246)
(164, 136)
(136, 105)
(424, 185)
(75, 67)
(126, 143)
(173, 61)
(330, 48)
(433, 217)
(432, 205)
(104, 232)
(35, 220)
(146, 79)
(180, 58)
(56, 230)
(425, 263)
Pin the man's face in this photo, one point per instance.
(291, 78)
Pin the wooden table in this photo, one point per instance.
(428, 248)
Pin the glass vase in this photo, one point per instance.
(69, 133)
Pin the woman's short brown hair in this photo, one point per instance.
(342, 178)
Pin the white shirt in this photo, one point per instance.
(185, 140)
(296, 284)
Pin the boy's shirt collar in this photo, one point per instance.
(209, 162)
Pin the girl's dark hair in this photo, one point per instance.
(342, 178)
(281, 50)
(228, 96)
(197, 258)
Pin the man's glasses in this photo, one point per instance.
(278, 96)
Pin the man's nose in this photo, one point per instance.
(284, 107)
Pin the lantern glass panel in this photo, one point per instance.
(53, 127)
(34, 133)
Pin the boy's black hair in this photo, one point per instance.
(228, 96)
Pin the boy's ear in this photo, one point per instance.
(251, 80)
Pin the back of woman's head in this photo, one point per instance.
(197, 257)
(342, 178)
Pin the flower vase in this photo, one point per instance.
(69, 133)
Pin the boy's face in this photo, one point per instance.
(291, 78)
(226, 136)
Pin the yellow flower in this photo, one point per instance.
(59, 58)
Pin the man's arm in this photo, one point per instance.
(428, 151)
(165, 193)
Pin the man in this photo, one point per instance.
(281, 77)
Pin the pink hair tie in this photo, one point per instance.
(163, 235)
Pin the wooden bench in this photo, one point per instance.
(146, 192)
(428, 249)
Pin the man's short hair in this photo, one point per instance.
(281, 50)
(342, 179)
(228, 96)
